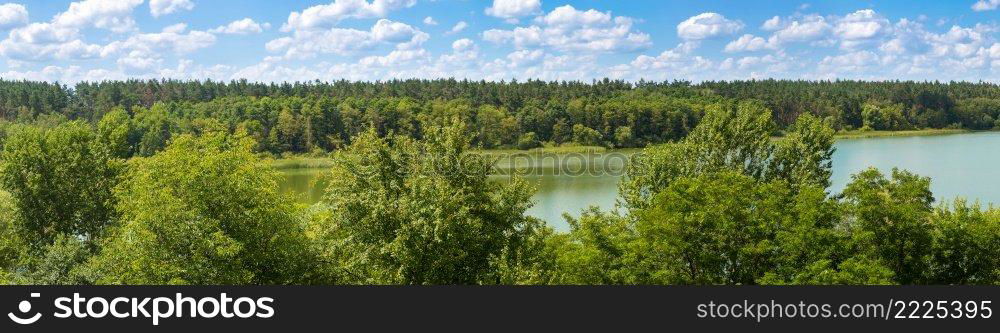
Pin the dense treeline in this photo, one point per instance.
(725, 204)
(318, 117)
(918, 104)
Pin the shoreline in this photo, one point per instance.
(305, 162)
(856, 134)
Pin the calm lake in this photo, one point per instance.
(966, 165)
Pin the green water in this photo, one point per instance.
(966, 165)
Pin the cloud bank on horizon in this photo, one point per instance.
(90, 40)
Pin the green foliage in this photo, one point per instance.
(728, 228)
(309, 116)
(804, 155)
(4, 128)
(10, 242)
(494, 127)
(892, 220)
(528, 141)
(978, 113)
(287, 134)
(155, 127)
(586, 136)
(966, 244)
(408, 212)
(714, 229)
(730, 205)
(117, 134)
(204, 211)
(623, 137)
(561, 132)
(59, 263)
(884, 117)
(60, 180)
(719, 200)
(597, 251)
(734, 138)
(853, 271)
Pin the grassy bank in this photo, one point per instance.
(301, 163)
(856, 134)
(546, 150)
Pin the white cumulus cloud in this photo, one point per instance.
(984, 5)
(862, 24)
(849, 62)
(12, 15)
(772, 24)
(463, 44)
(396, 58)
(114, 15)
(509, 9)
(747, 42)
(245, 26)
(525, 58)
(325, 16)
(175, 38)
(163, 7)
(569, 29)
(805, 29)
(461, 25)
(707, 25)
(340, 41)
(62, 37)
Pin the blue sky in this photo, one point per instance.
(70, 41)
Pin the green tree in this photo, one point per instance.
(804, 156)
(966, 244)
(254, 130)
(623, 137)
(155, 128)
(892, 220)
(117, 133)
(884, 117)
(10, 241)
(288, 132)
(731, 137)
(61, 182)
(598, 250)
(713, 229)
(488, 124)
(59, 263)
(562, 132)
(528, 141)
(409, 212)
(204, 211)
(586, 136)
(813, 246)
(859, 270)
(977, 113)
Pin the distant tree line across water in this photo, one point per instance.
(178, 193)
(323, 116)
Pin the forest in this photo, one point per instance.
(319, 117)
(168, 182)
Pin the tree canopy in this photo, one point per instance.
(204, 211)
(169, 182)
(425, 212)
(310, 117)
